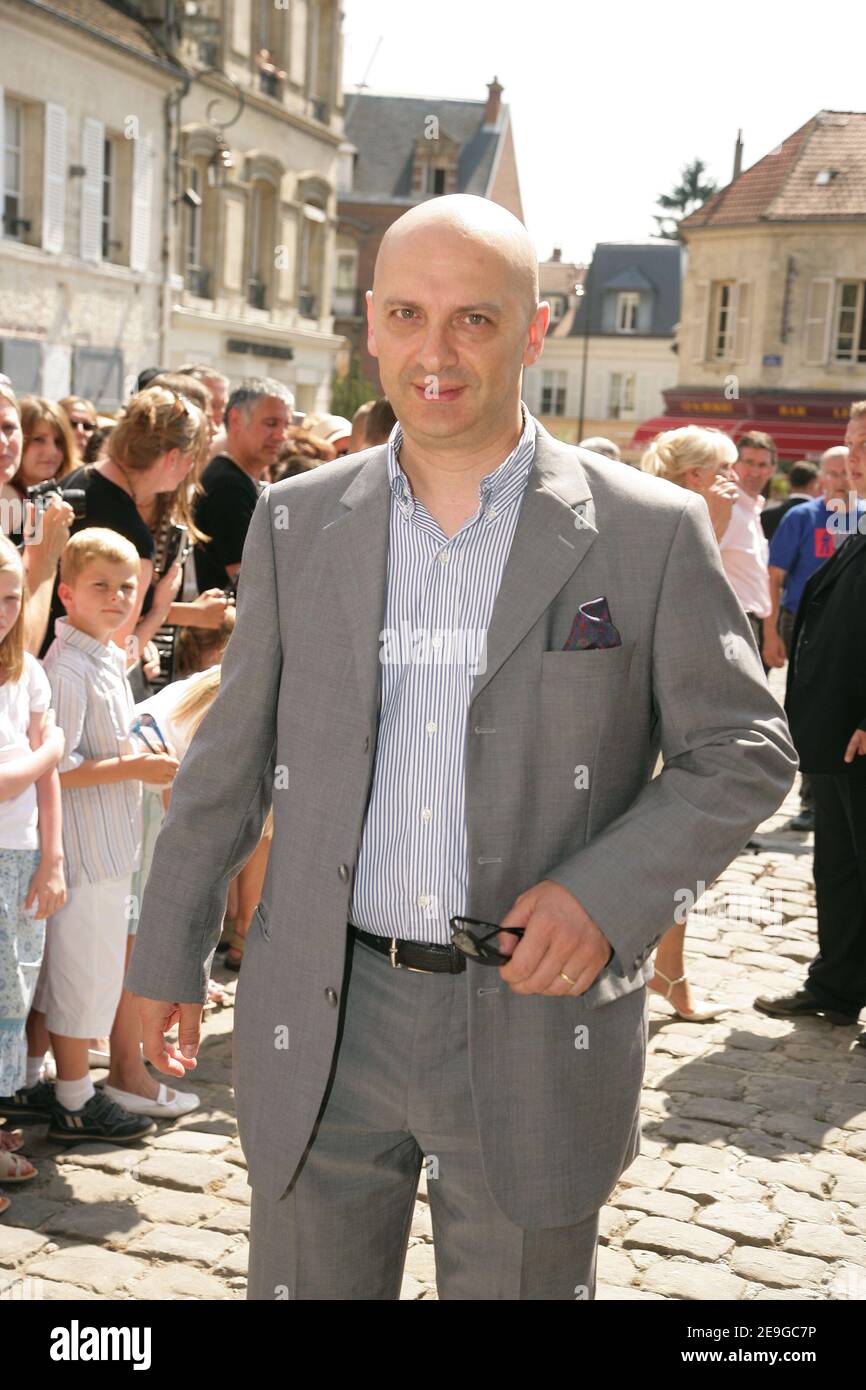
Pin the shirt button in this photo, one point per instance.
(331, 996)
(343, 871)
(491, 513)
(431, 727)
(422, 900)
(426, 813)
(435, 641)
(443, 557)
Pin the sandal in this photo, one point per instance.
(12, 1166)
(699, 1015)
(5, 1204)
(228, 930)
(11, 1140)
(236, 949)
(217, 997)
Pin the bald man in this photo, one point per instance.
(456, 658)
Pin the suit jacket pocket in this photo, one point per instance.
(592, 663)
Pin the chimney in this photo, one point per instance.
(557, 253)
(492, 108)
(738, 155)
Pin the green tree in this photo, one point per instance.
(350, 391)
(691, 191)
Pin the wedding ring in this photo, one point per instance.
(567, 977)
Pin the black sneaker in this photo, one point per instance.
(100, 1118)
(36, 1101)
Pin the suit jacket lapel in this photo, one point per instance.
(358, 544)
(554, 531)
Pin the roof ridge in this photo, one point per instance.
(814, 125)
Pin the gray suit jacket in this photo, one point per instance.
(557, 1108)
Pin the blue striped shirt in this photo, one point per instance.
(413, 870)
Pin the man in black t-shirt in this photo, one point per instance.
(258, 414)
(107, 505)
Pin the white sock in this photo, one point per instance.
(72, 1095)
(35, 1069)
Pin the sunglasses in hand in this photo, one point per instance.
(147, 721)
(478, 940)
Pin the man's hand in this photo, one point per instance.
(774, 648)
(560, 939)
(157, 1016)
(857, 745)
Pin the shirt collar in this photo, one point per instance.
(74, 637)
(496, 489)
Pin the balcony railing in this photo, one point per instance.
(257, 294)
(198, 281)
(269, 84)
(307, 304)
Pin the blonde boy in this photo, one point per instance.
(100, 781)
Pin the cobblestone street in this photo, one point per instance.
(751, 1183)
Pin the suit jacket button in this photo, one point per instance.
(331, 996)
(343, 871)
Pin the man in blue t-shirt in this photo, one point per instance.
(807, 536)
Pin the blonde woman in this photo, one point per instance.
(700, 460)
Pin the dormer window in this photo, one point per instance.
(627, 303)
(825, 176)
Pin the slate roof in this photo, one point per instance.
(115, 22)
(781, 187)
(626, 265)
(384, 128)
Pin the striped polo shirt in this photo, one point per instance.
(93, 704)
(413, 864)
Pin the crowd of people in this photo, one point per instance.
(121, 543)
(120, 551)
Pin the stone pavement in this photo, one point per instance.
(751, 1183)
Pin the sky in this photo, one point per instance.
(609, 103)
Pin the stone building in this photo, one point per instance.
(171, 191)
(609, 357)
(773, 328)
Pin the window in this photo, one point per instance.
(13, 162)
(553, 393)
(97, 374)
(105, 215)
(722, 320)
(627, 303)
(620, 398)
(849, 334)
(197, 278)
(438, 182)
(345, 283)
(312, 249)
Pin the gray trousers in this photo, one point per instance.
(399, 1097)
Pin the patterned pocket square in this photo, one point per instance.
(592, 628)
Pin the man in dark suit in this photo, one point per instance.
(826, 708)
(803, 478)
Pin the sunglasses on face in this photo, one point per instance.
(478, 939)
(83, 425)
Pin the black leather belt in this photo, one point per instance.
(421, 956)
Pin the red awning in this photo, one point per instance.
(794, 439)
(650, 428)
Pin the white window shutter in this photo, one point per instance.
(142, 203)
(742, 312)
(54, 178)
(697, 336)
(241, 24)
(92, 157)
(819, 310)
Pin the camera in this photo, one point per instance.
(75, 496)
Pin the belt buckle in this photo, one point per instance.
(415, 969)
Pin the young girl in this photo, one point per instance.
(32, 884)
